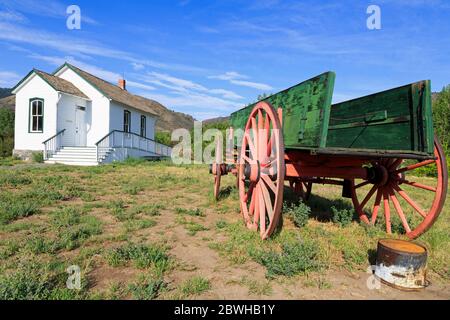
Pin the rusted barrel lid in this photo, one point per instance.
(401, 264)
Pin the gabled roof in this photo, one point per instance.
(56, 83)
(113, 92)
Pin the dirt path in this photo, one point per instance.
(248, 281)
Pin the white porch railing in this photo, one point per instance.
(53, 144)
(129, 140)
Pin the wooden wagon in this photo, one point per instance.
(371, 147)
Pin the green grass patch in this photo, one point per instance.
(195, 286)
(143, 256)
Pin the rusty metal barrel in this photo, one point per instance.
(401, 264)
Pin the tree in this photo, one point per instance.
(441, 118)
(6, 132)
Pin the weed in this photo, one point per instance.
(298, 213)
(221, 224)
(134, 225)
(294, 258)
(190, 212)
(143, 256)
(343, 217)
(37, 157)
(191, 226)
(255, 287)
(133, 189)
(195, 286)
(14, 180)
(148, 287)
(10, 211)
(147, 209)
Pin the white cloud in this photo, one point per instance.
(184, 86)
(9, 79)
(10, 15)
(99, 72)
(75, 46)
(226, 94)
(48, 8)
(230, 75)
(236, 79)
(137, 66)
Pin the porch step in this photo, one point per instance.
(79, 156)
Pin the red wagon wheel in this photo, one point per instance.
(397, 185)
(262, 170)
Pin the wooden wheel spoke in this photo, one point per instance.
(415, 166)
(405, 196)
(270, 144)
(269, 183)
(387, 212)
(267, 201)
(418, 185)
(362, 184)
(367, 198)
(254, 129)
(256, 207)
(376, 206)
(399, 210)
(249, 193)
(251, 145)
(262, 212)
(253, 200)
(395, 164)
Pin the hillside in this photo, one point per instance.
(8, 102)
(215, 120)
(168, 120)
(5, 92)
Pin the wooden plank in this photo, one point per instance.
(407, 126)
(306, 111)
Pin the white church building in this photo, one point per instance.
(76, 118)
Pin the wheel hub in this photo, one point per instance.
(252, 172)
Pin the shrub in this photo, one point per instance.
(343, 217)
(298, 213)
(37, 157)
(294, 258)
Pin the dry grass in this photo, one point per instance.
(109, 220)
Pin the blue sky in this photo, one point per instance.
(209, 58)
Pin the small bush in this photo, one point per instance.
(298, 213)
(37, 157)
(294, 258)
(343, 217)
